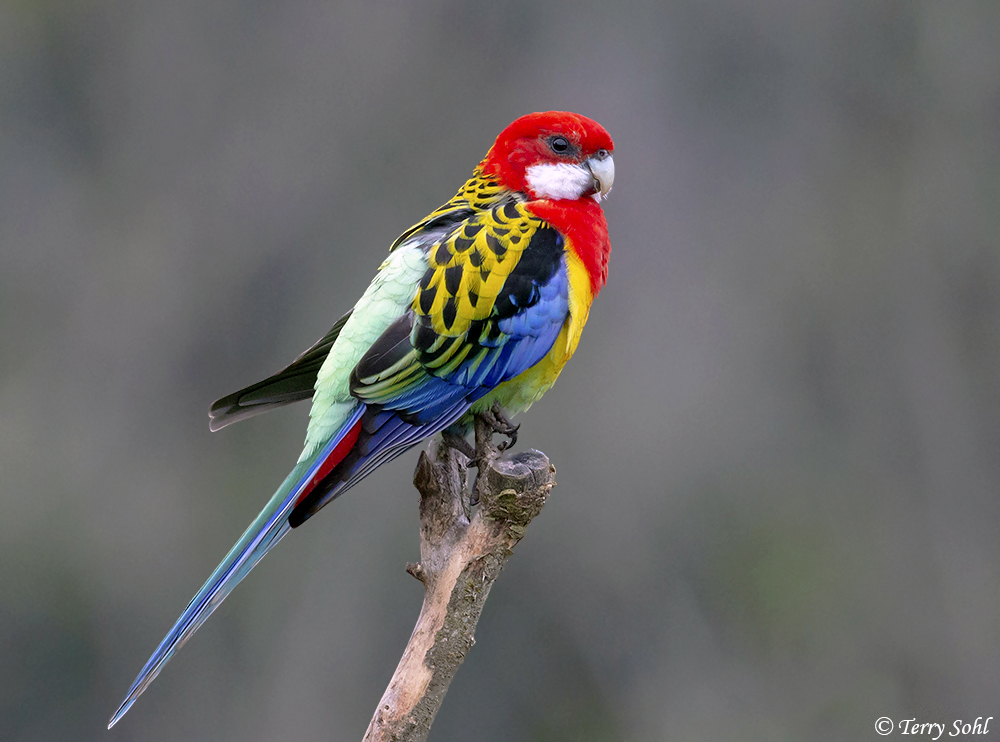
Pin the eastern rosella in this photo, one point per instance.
(480, 303)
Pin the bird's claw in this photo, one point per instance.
(494, 420)
(500, 423)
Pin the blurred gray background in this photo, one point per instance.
(778, 446)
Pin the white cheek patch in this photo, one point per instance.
(560, 180)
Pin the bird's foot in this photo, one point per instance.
(497, 419)
(488, 423)
(476, 455)
(460, 444)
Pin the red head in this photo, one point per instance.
(553, 155)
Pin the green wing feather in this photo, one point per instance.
(293, 383)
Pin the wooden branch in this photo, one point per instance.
(460, 557)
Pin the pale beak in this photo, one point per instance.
(602, 167)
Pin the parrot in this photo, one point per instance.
(475, 311)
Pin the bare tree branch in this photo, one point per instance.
(460, 557)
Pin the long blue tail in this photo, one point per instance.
(263, 534)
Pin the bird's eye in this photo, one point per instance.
(559, 145)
